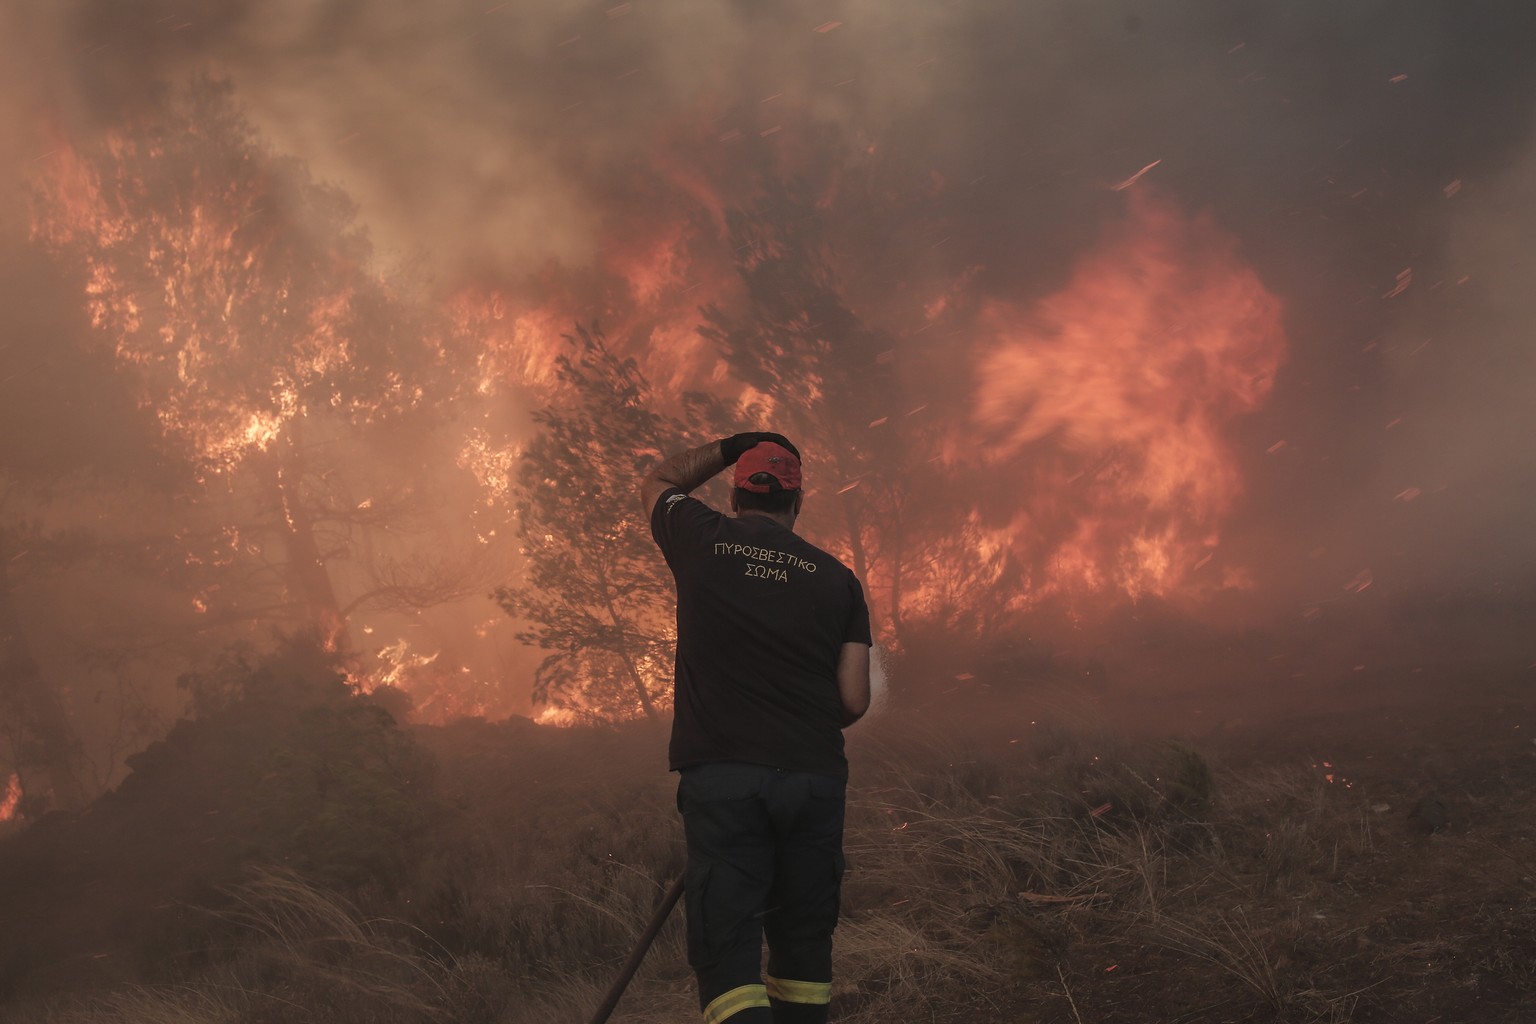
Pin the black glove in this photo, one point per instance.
(732, 447)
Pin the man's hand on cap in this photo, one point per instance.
(732, 447)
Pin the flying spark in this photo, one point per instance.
(1133, 179)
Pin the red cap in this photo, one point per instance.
(771, 458)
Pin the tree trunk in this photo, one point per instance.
(852, 519)
(898, 535)
(33, 707)
(854, 523)
(308, 580)
(629, 664)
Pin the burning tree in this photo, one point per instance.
(827, 376)
(1111, 402)
(1091, 461)
(595, 589)
(238, 295)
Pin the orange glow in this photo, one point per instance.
(645, 307)
(1104, 409)
(228, 325)
(552, 715)
(493, 467)
(439, 692)
(12, 799)
(656, 266)
(515, 349)
(1109, 403)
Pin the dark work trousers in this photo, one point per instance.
(765, 860)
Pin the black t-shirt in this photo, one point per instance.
(762, 616)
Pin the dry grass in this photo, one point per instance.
(158, 1006)
(319, 940)
(1235, 947)
(1075, 879)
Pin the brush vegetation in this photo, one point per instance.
(292, 854)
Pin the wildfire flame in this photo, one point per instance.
(657, 267)
(1111, 400)
(12, 799)
(552, 715)
(235, 319)
(185, 343)
(1104, 409)
(439, 691)
(494, 467)
(396, 663)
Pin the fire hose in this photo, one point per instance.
(632, 965)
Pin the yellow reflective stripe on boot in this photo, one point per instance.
(734, 1001)
(817, 993)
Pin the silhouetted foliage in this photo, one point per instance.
(329, 784)
(283, 765)
(830, 376)
(595, 588)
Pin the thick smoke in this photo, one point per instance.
(1372, 160)
(1456, 461)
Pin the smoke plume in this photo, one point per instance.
(1370, 162)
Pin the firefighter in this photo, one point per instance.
(773, 645)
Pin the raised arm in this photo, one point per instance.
(694, 467)
(685, 471)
